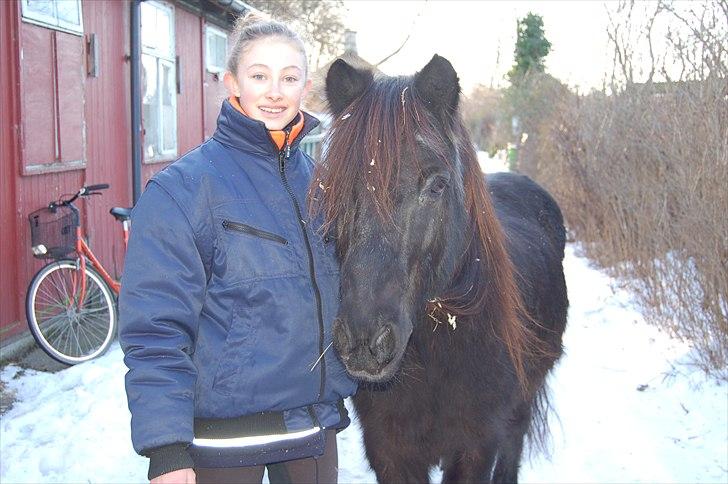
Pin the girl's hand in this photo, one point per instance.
(180, 476)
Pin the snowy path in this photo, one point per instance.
(72, 426)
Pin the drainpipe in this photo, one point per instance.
(136, 99)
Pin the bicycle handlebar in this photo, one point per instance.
(83, 192)
(93, 188)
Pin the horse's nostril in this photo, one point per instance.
(341, 336)
(381, 335)
(382, 344)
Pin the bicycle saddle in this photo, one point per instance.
(121, 214)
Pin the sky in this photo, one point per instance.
(479, 37)
(627, 407)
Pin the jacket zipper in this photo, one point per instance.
(283, 155)
(247, 229)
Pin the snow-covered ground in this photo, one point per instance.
(628, 407)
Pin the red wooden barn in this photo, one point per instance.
(72, 114)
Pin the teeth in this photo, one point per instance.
(272, 110)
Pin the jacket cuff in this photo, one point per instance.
(168, 458)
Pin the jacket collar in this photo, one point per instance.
(246, 134)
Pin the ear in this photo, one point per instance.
(438, 86)
(344, 84)
(231, 84)
(307, 87)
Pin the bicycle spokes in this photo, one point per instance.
(72, 317)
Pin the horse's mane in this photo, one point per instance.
(364, 149)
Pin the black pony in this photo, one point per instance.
(453, 293)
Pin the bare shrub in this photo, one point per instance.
(480, 110)
(642, 176)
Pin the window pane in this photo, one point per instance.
(56, 14)
(163, 39)
(150, 106)
(43, 11)
(169, 117)
(220, 51)
(148, 19)
(157, 29)
(44, 8)
(209, 48)
(69, 11)
(216, 50)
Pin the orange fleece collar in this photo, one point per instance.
(278, 136)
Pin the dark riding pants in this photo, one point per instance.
(323, 469)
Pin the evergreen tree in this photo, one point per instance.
(529, 101)
(531, 48)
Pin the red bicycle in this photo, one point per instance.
(71, 301)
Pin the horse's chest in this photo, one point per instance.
(414, 413)
(431, 404)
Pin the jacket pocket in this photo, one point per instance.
(236, 358)
(230, 225)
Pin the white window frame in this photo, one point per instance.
(168, 59)
(52, 21)
(211, 31)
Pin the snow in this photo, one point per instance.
(492, 165)
(628, 408)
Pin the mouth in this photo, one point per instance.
(271, 110)
(383, 375)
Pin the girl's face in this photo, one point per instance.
(270, 82)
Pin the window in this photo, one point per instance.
(215, 49)
(159, 82)
(58, 14)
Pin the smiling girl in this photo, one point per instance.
(230, 291)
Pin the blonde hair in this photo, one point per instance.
(252, 27)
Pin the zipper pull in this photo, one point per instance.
(285, 152)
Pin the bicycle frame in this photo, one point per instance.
(84, 251)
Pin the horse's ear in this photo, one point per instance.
(344, 83)
(437, 84)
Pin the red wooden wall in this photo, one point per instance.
(189, 37)
(95, 114)
(9, 307)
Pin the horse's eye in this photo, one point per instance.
(437, 185)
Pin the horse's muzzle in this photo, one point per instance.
(366, 354)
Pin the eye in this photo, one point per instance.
(258, 77)
(436, 185)
(290, 79)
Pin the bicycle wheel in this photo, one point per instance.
(68, 331)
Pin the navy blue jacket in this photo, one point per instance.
(228, 296)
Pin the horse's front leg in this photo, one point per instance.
(393, 449)
(396, 464)
(509, 453)
(470, 466)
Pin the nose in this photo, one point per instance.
(274, 92)
(368, 352)
(381, 346)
